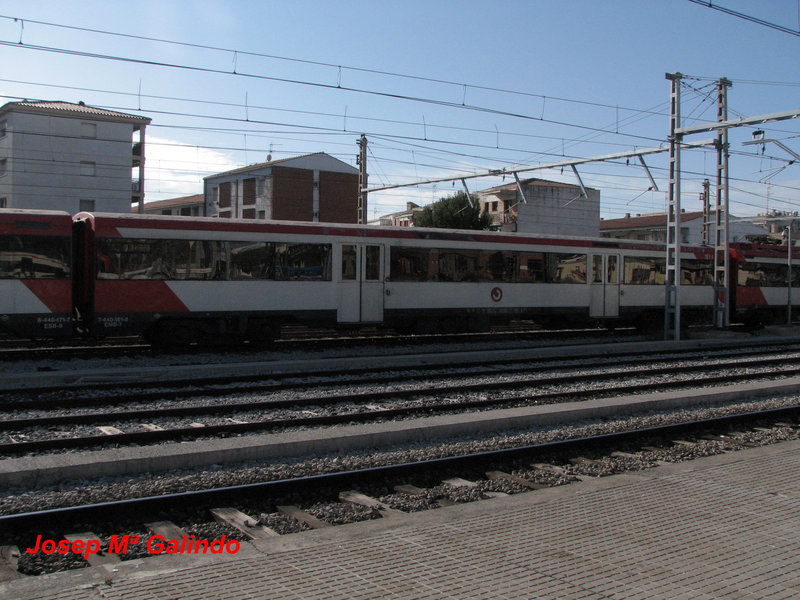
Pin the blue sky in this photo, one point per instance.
(441, 88)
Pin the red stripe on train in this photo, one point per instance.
(750, 296)
(136, 297)
(55, 294)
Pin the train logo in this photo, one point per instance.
(497, 294)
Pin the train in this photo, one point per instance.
(182, 281)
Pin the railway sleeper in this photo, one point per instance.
(620, 454)
(502, 475)
(166, 529)
(413, 490)
(560, 471)
(9, 558)
(359, 499)
(242, 522)
(457, 482)
(298, 514)
(687, 443)
(409, 489)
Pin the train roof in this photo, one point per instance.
(108, 223)
(34, 222)
(119, 220)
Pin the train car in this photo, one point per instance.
(182, 280)
(179, 281)
(36, 273)
(198, 280)
(759, 276)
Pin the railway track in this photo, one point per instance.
(259, 510)
(300, 339)
(275, 496)
(294, 339)
(51, 424)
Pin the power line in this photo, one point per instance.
(295, 111)
(315, 84)
(750, 18)
(236, 52)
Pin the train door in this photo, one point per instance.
(362, 289)
(605, 286)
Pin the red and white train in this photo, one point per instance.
(198, 280)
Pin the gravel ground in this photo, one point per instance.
(106, 489)
(424, 384)
(551, 472)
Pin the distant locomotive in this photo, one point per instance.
(179, 280)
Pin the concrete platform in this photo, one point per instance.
(720, 527)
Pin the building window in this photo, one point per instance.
(3, 166)
(3, 127)
(3, 202)
(86, 205)
(88, 168)
(225, 195)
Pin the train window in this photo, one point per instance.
(697, 272)
(251, 260)
(566, 268)
(412, 264)
(458, 265)
(303, 262)
(203, 260)
(532, 267)
(612, 275)
(497, 266)
(34, 257)
(372, 263)
(134, 259)
(349, 264)
(644, 270)
(753, 274)
(597, 268)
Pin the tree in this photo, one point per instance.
(454, 212)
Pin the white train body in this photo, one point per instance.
(183, 280)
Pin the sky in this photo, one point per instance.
(440, 88)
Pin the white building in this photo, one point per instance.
(71, 157)
(542, 206)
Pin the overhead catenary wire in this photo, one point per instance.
(443, 146)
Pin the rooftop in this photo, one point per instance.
(270, 163)
(645, 221)
(533, 181)
(173, 202)
(70, 109)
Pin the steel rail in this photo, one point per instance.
(182, 433)
(131, 508)
(10, 424)
(216, 387)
